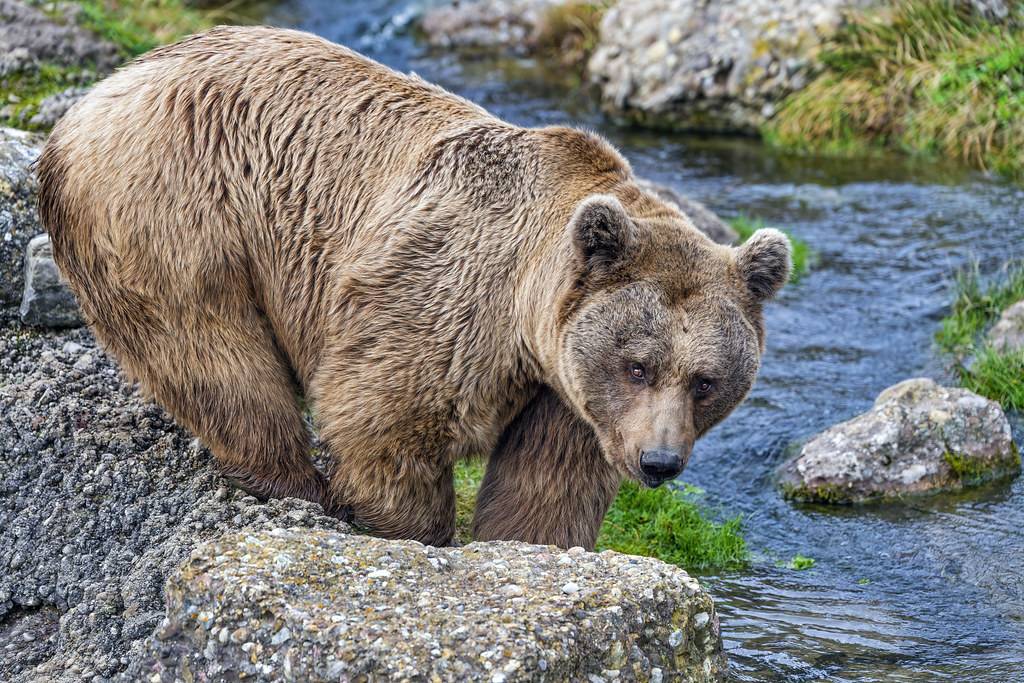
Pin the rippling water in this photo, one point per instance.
(927, 591)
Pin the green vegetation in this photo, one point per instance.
(568, 32)
(135, 26)
(667, 523)
(976, 307)
(798, 563)
(802, 254)
(922, 77)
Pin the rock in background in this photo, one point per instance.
(918, 438)
(319, 606)
(713, 65)
(1007, 335)
(512, 25)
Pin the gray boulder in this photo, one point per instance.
(47, 300)
(317, 606)
(918, 438)
(504, 24)
(1007, 335)
(18, 219)
(714, 65)
(703, 218)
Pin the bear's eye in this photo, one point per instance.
(637, 371)
(703, 387)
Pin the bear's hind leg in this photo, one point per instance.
(221, 375)
(547, 481)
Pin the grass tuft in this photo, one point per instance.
(668, 523)
(919, 76)
(803, 256)
(976, 306)
(569, 31)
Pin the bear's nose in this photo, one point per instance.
(659, 466)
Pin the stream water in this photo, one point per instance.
(926, 591)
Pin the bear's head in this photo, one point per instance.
(662, 335)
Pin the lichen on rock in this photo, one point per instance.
(918, 438)
(315, 606)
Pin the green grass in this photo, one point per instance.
(669, 524)
(803, 256)
(976, 306)
(135, 26)
(666, 523)
(568, 32)
(922, 77)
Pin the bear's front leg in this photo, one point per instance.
(396, 498)
(547, 481)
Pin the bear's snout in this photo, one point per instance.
(658, 466)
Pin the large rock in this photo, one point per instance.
(102, 497)
(47, 300)
(714, 65)
(1007, 336)
(918, 438)
(316, 606)
(18, 219)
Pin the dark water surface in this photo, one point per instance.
(928, 591)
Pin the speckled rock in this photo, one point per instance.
(918, 438)
(505, 24)
(703, 218)
(47, 300)
(716, 65)
(18, 219)
(1007, 335)
(102, 496)
(315, 606)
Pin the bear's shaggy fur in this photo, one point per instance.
(254, 216)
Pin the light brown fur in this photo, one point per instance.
(254, 215)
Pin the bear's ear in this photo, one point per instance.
(601, 232)
(764, 262)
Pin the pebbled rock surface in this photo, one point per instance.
(47, 300)
(18, 219)
(703, 218)
(102, 496)
(512, 25)
(1007, 335)
(318, 606)
(714, 65)
(918, 438)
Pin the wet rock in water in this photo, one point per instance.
(18, 219)
(47, 300)
(918, 438)
(308, 605)
(1007, 336)
(713, 65)
(504, 24)
(703, 218)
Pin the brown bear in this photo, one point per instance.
(253, 217)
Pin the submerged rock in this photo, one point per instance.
(308, 605)
(918, 438)
(714, 65)
(703, 218)
(47, 301)
(1007, 336)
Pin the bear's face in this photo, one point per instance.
(666, 336)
